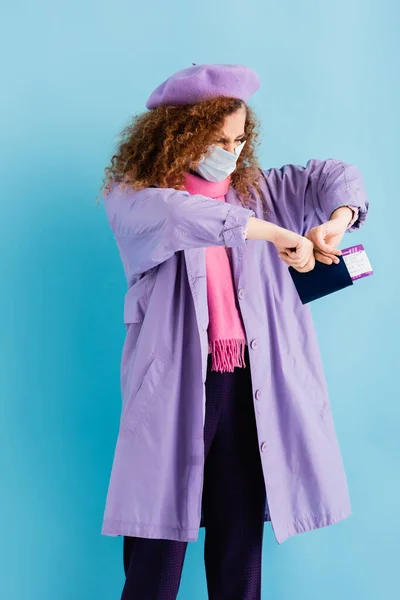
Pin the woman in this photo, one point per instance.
(226, 420)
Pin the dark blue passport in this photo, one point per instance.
(321, 281)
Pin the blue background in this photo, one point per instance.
(73, 75)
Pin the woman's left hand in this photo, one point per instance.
(327, 237)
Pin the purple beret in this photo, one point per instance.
(201, 82)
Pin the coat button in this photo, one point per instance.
(241, 293)
(264, 447)
(254, 344)
(258, 394)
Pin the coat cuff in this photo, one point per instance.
(356, 213)
(359, 216)
(235, 226)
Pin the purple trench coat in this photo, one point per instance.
(155, 486)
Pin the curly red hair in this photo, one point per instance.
(160, 145)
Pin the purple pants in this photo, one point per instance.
(233, 505)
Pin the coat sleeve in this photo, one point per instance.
(305, 197)
(150, 225)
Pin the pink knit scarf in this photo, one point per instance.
(226, 334)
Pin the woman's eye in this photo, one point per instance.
(224, 142)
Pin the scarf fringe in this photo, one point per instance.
(227, 354)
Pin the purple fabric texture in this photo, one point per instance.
(233, 502)
(156, 478)
(201, 82)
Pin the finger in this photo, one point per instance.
(309, 266)
(310, 263)
(308, 256)
(284, 257)
(335, 252)
(319, 240)
(300, 256)
(326, 260)
(290, 259)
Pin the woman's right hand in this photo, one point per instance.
(295, 250)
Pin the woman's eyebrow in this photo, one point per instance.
(225, 139)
